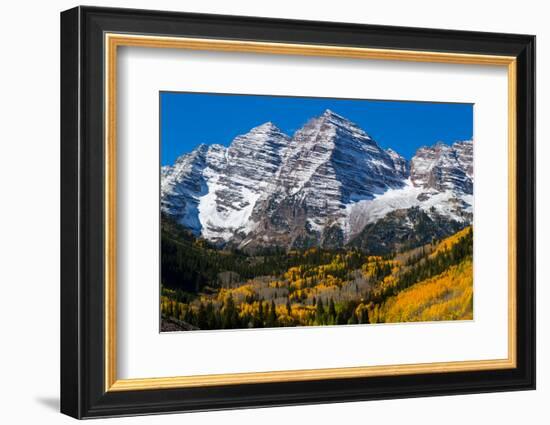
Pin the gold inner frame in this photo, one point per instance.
(113, 41)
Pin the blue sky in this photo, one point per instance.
(189, 119)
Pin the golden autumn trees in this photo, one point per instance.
(447, 296)
(322, 287)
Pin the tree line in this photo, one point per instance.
(265, 314)
(190, 264)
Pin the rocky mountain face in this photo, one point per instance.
(330, 163)
(404, 229)
(182, 186)
(327, 186)
(442, 167)
(213, 189)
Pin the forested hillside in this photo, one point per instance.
(205, 287)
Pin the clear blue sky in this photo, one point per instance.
(189, 119)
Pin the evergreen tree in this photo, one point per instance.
(272, 315)
(190, 316)
(353, 319)
(202, 322)
(229, 313)
(364, 318)
(320, 312)
(331, 309)
(211, 316)
(260, 321)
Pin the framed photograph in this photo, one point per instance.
(261, 212)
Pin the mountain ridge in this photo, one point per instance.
(320, 187)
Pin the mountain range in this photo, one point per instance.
(328, 185)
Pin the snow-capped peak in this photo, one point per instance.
(327, 181)
(266, 127)
(393, 153)
(328, 113)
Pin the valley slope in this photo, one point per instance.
(208, 288)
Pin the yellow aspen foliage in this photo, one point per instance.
(242, 291)
(249, 309)
(448, 243)
(411, 285)
(389, 281)
(293, 273)
(359, 309)
(303, 314)
(448, 296)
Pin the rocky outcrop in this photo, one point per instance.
(443, 167)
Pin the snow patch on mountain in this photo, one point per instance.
(323, 185)
(448, 203)
(330, 162)
(213, 189)
(222, 224)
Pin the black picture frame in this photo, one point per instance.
(83, 392)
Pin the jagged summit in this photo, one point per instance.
(331, 117)
(444, 167)
(267, 127)
(392, 153)
(321, 186)
(329, 113)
